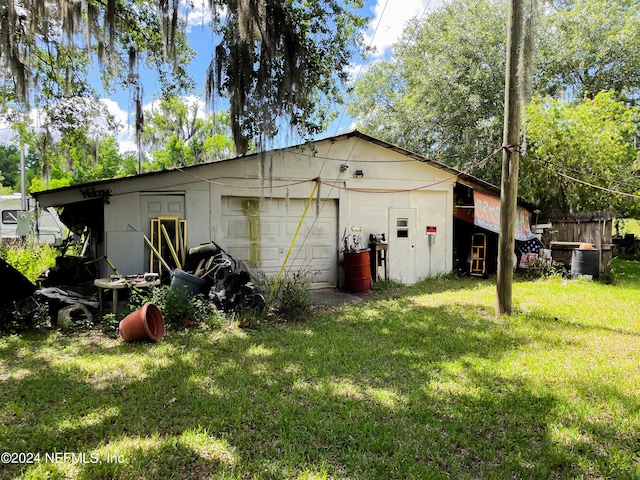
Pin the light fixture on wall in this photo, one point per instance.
(358, 174)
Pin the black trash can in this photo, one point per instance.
(585, 262)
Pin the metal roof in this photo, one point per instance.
(467, 179)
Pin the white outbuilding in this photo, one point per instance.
(333, 194)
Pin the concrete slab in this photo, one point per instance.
(332, 296)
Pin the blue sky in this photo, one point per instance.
(387, 19)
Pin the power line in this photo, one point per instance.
(554, 169)
(598, 187)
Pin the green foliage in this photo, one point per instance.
(177, 133)
(109, 324)
(627, 226)
(386, 285)
(72, 163)
(10, 166)
(589, 46)
(291, 301)
(429, 384)
(179, 309)
(279, 61)
(442, 93)
(23, 316)
(594, 141)
(31, 259)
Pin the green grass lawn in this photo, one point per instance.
(629, 226)
(417, 382)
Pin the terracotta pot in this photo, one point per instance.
(143, 324)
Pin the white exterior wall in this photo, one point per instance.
(386, 170)
(366, 202)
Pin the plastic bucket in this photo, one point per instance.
(357, 271)
(182, 279)
(144, 324)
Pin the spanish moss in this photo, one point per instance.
(275, 61)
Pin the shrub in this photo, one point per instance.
(291, 300)
(30, 259)
(24, 315)
(110, 323)
(179, 310)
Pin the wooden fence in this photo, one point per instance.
(570, 230)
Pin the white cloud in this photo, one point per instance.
(6, 134)
(126, 135)
(388, 23)
(114, 109)
(199, 14)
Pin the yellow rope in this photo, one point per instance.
(293, 241)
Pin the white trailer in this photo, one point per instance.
(42, 224)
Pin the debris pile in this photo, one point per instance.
(68, 290)
(229, 285)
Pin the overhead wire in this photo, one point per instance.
(597, 187)
(317, 180)
(319, 205)
(593, 175)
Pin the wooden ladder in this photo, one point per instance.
(478, 254)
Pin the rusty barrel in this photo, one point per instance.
(357, 271)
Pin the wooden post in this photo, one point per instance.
(510, 159)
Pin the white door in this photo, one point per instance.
(402, 245)
(158, 206)
(259, 232)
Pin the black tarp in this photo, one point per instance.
(13, 285)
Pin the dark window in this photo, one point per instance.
(10, 217)
(402, 230)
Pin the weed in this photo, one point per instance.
(386, 285)
(427, 384)
(24, 315)
(291, 300)
(179, 309)
(109, 325)
(30, 259)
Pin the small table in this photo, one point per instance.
(116, 284)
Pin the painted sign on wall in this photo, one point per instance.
(487, 216)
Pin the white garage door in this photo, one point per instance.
(260, 231)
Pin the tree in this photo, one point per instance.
(442, 94)
(590, 46)
(178, 132)
(70, 162)
(592, 141)
(274, 59)
(64, 131)
(10, 166)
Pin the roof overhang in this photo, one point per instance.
(101, 188)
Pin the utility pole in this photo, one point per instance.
(510, 160)
(23, 188)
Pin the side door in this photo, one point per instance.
(402, 244)
(160, 205)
